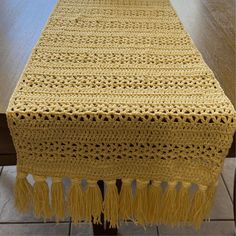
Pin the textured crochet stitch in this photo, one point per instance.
(116, 89)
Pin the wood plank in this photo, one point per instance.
(7, 159)
(21, 25)
(210, 41)
(6, 144)
(224, 14)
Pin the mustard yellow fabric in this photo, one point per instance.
(116, 89)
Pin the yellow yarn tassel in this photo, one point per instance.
(41, 198)
(141, 202)
(58, 201)
(154, 200)
(210, 193)
(111, 204)
(93, 203)
(23, 193)
(198, 211)
(76, 203)
(126, 200)
(183, 201)
(168, 215)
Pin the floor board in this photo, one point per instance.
(211, 41)
(224, 15)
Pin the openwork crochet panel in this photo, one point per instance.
(116, 89)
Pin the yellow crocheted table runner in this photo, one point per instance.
(115, 89)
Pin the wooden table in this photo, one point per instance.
(209, 22)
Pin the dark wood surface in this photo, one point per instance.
(21, 23)
(208, 23)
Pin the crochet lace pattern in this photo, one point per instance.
(116, 89)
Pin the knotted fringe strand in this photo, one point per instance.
(154, 200)
(126, 200)
(93, 202)
(168, 212)
(210, 193)
(41, 198)
(150, 204)
(141, 202)
(198, 208)
(58, 198)
(183, 201)
(111, 204)
(76, 202)
(23, 192)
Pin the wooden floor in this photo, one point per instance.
(211, 24)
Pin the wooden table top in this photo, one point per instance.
(210, 23)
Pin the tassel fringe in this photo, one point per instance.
(209, 198)
(126, 200)
(76, 202)
(183, 202)
(198, 209)
(168, 214)
(141, 202)
(155, 202)
(93, 203)
(58, 201)
(23, 193)
(111, 202)
(149, 205)
(41, 198)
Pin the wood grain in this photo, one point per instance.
(21, 23)
(224, 15)
(210, 40)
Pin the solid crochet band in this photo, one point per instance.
(116, 89)
(150, 202)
